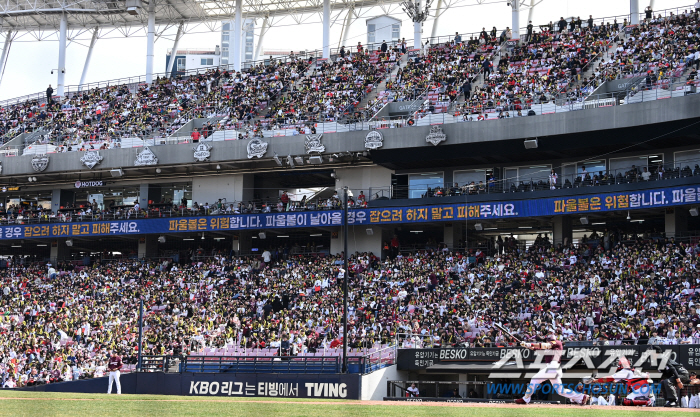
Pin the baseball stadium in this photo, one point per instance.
(265, 221)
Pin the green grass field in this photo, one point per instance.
(19, 403)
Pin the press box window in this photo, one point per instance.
(207, 61)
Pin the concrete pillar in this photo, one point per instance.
(515, 24)
(372, 181)
(359, 240)
(634, 12)
(55, 200)
(463, 387)
(59, 250)
(676, 220)
(326, 28)
(143, 196)
(561, 226)
(62, 38)
(453, 234)
(148, 246)
(237, 35)
(150, 41)
(233, 188)
(243, 242)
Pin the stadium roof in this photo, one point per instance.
(37, 15)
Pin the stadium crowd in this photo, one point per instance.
(58, 323)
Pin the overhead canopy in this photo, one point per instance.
(22, 15)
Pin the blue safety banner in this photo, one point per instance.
(582, 204)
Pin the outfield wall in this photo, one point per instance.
(221, 384)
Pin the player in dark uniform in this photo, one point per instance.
(674, 375)
(551, 372)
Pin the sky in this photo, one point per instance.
(29, 64)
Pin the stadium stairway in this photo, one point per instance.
(382, 85)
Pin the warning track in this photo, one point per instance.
(369, 403)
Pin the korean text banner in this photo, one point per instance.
(592, 203)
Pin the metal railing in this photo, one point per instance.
(262, 364)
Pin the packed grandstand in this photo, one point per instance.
(480, 78)
(63, 320)
(59, 323)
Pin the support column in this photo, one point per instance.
(59, 250)
(453, 234)
(676, 221)
(143, 196)
(150, 41)
(436, 22)
(651, 4)
(261, 38)
(148, 246)
(562, 233)
(417, 29)
(87, 59)
(62, 37)
(346, 27)
(5, 53)
(173, 54)
(243, 243)
(55, 200)
(634, 12)
(463, 387)
(515, 25)
(237, 35)
(359, 240)
(531, 11)
(326, 28)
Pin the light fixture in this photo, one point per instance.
(219, 238)
(628, 216)
(202, 235)
(277, 159)
(161, 239)
(524, 227)
(290, 161)
(333, 175)
(478, 226)
(29, 179)
(262, 235)
(158, 170)
(316, 234)
(316, 160)
(116, 172)
(188, 238)
(16, 246)
(69, 242)
(218, 167)
(531, 144)
(637, 221)
(491, 228)
(416, 231)
(584, 220)
(597, 223)
(369, 231)
(694, 211)
(41, 244)
(283, 236)
(299, 160)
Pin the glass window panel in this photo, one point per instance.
(418, 184)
